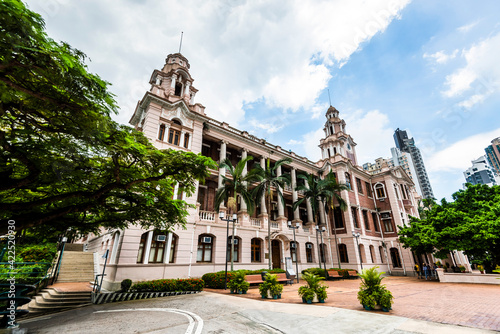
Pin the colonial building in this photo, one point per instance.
(377, 204)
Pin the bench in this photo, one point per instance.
(352, 273)
(334, 274)
(257, 278)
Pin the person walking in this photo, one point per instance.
(426, 270)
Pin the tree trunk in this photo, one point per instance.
(269, 230)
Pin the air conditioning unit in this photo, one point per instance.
(293, 245)
(161, 238)
(206, 240)
(235, 241)
(381, 199)
(385, 215)
(309, 246)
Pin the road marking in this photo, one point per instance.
(194, 319)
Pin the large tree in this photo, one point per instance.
(267, 181)
(63, 161)
(471, 223)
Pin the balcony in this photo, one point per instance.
(275, 225)
(255, 222)
(207, 216)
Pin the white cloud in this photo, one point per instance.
(467, 27)
(458, 156)
(294, 142)
(480, 77)
(268, 127)
(240, 52)
(441, 57)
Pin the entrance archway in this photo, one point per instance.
(276, 253)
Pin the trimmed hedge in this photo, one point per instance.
(169, 285)
(321, 272)
(216, 280)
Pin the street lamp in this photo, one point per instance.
(227, 220)
(357, 235)
(297, 225)
(321, 250)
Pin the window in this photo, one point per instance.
(339, 217)
(178, 89)
(293, 250)
(236, 253)
(205, 246)
(362, 254)
(309, 252)
(355, 217)
(256, 250)
(379, 190)
(360, 187)
(171, 258)
(157, 248)
(375, 222)
(396, 260)
(396, 190)
(343, 253)
(348, 181)
(403, 192)
(186, 140)
(161, 133)
(142, 247)
(372, 253)
(368, 190)
(365, 219)
(174, 137)
(381, 251)
(388, 225)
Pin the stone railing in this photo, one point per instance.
(255, 222)
(208, 216)
(275, 225)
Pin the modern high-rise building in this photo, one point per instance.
(405, 144)
(493, 155)
(480, 172)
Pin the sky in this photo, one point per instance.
(271, 68)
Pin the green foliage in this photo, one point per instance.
(37, 253)
(238, 283)
(270, 284)
(321, 292)
(471, 223)
(315, 271)
(313, 287)
(371, 291)
(125, 285)
(63, 161)
(169, 285)
(216, 280)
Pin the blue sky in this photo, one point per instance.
(429, 67)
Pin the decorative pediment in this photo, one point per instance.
(177, 112)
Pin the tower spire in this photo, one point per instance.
(180, 44)
(329, 98)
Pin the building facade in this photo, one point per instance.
(377, 203)
(405, 144)
(480, 172)
(493, 155)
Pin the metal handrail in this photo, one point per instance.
(58, 265)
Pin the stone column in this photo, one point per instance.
(243, 205)
(186, 91)
(281, 210)
(181, 141)
(147, 249)
(310, 217)
(192, 98)
(172, 84)
(296, 214)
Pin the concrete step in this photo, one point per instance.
(50, 301)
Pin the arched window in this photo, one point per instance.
(294, 246)
(236, 251)
(381, 251)
(379, 190)
(161, 133)
(343, 253)
(309, 252)
(186, 140)
(362, 254)
(256, 250)
(157, 250)
(142, 247)
(396, 260)
(205, 247)
(178, 89)
(173, 248)
(348, 181)
(372, 253)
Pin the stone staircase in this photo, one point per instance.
(76, 267)
(50, 300)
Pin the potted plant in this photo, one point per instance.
(312, 289)
(263, 289)
(276, 290)
(237, 284)
(270, 285)
(302, 291)
(321, 293)
(372, 293)
(308, 295)
(480, 268)
(462, 269)
(439, 264)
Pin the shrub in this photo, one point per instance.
(315, 271)
(216, 280)
(37, 253)
(169, 285)
(125, 285)
(238, 283)
(371, 291)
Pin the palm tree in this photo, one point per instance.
(315, 192)
(231, 188)
(332, 197)
(267, 180)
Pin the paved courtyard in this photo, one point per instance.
(472, 305)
